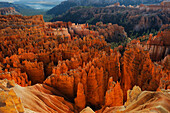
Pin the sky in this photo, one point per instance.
(8, 0)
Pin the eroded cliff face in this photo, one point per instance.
(8, 11)
(159, 45)
(75, 66)
(138, 69)
(37, 98)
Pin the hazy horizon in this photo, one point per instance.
(36, 4)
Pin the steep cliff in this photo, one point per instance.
(159, 45)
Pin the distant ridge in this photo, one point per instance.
(66, 5)
(61, 8)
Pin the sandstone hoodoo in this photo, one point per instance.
(66, 67)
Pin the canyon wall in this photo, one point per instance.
(71, 67)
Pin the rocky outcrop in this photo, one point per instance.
(138, 69)
(9, 101)
(16, 75)
(87, 110)
(143, 98)
(65, 84)
(132, 95)
(145, 101)
(43, 99)
(159, 45)
(35, 71)
(114, 95)
(8, 11)
(37, 98)
(80, 100)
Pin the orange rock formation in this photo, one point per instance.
(76, 66)
(37, 98)
(138, 69)
(80, 100)
(145, 101)
(159, 45)
(8, 11)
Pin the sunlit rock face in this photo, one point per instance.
(145, 101)
(71, 67)
(8, 11)
(37, 98)
(9, 101)
(138, 69)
